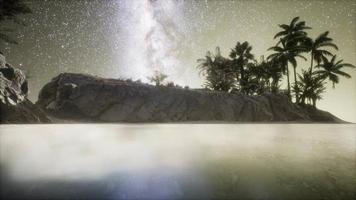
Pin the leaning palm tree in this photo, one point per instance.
(331, 69)
(316, 48)
(241, 56)
(287, 53)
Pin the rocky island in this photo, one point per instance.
(86, 98)
(93, 99)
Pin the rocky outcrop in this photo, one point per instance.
(14, 105)
(78, 96)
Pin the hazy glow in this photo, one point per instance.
(77, 152)
(178, 161)
(152, 30)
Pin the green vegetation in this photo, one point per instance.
(242, 73)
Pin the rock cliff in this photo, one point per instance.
(14, 105)
(90, 98)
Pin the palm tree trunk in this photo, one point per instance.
(269, 86)
(242, 79)
(296, 86)
(311, 65)
(303, 100)
(314, 103)
(288, 84)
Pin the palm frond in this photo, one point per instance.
(328, 44)
(322, 36)
(338, 62)
(333, 59)
(324, 52)
(294, 20)
(280, 34)
(344, 74)
(347, 65)
(284, 26)
(275, 48)
(300, 56)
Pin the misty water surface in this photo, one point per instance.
(178, 161)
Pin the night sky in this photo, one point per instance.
(131, 39)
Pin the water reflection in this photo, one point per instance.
(178, 161)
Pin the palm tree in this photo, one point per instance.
(219, 80)
(292, 35)
(270, 72)
(331, 69)
(285, 54)
(217, 70)
(294, 32)
(241, 55)
(315, 47)
(205, 64)
(311, 87)
(274, 69)
(260, 74)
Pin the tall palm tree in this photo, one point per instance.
(292, 36)
(316, 48)
(287, 53)
(241, 55)
(331, 69)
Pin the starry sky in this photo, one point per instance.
(133, 38)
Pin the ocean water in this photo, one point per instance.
(178, 161)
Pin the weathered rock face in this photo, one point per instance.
(91, 98)
(14, 105)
